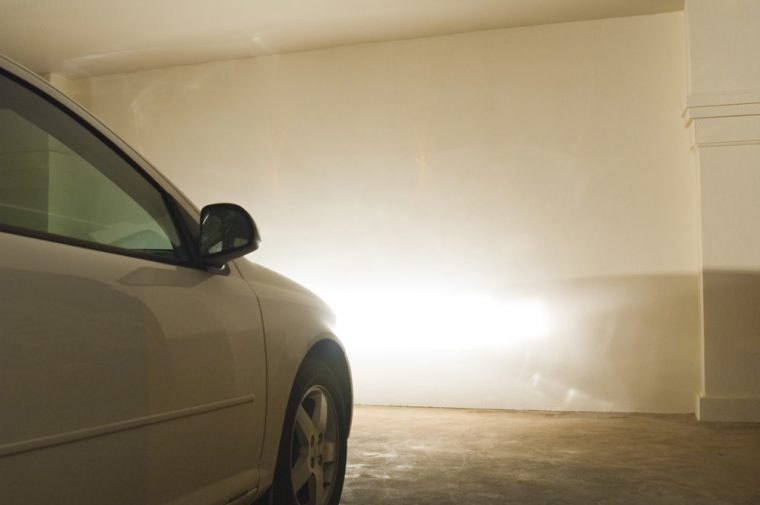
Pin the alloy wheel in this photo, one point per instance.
(314, 448)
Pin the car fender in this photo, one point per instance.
(296, 322)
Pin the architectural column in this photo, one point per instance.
(723, 113)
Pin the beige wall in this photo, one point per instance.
(501, 219)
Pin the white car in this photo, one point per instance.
(142, 359)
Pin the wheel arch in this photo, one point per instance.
(325, 347)
(331, 352)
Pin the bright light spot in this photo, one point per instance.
(433, 321)
(535, 380)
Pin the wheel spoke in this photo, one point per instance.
(319, 416)
(317, 495)
(329, 452)
(304, 425)
(315, 447)
(300, 473)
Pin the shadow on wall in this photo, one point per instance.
(627, 343)
(732, 344)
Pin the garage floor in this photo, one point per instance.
(418, 456)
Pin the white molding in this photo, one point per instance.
(704, 145)
(723, 119)
(724, 104)
(727, 131)
(744, 410)
(737, 97)
(713, 111)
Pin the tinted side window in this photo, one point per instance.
(58, 178)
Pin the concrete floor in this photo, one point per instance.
(417, 456)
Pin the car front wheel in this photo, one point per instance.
(312, 459)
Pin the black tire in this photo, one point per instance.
(315, 390)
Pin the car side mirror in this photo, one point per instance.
(227, 232)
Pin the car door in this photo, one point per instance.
(128, 373)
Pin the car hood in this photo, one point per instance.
(273, 287)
